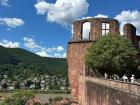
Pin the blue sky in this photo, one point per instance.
(44, 26)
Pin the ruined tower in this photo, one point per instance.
(129, 31)
(85, 32)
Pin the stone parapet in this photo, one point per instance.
(99, 91)
(133, 88)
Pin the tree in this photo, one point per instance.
(8, 101)
(18, 98)
(112, 53)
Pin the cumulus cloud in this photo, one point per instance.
(4, 2)
(60, 55)
(63, 12)
(52, 52)
(101, 16)
(97, 16)
(55, 49)
(30, 43)
(43, 51)
(87, 17)
(55, 55)
(132, 17)
(11, 22)
(9, 44)
(64, 55)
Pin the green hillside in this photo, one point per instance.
(20, 62)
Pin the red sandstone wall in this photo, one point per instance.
(77, 49)
(91, 93)
(96, 27)
(76, 64)
(130, 33)
(82, 92)
(97, 91)
(98, 94)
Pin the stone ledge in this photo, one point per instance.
(132, 88)
(80, 41)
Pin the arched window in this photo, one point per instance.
(86, 30)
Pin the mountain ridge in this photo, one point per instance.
(15, 61)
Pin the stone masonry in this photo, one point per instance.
(78, 46)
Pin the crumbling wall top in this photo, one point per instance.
(92, 28)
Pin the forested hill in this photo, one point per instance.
(17, 61)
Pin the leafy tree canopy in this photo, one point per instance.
(112, 53)
(19, 98)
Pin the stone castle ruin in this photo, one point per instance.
(91, 90)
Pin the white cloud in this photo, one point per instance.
(11, 22)
(60, 55)
(9, 44)
(4, 2)
(30, 43)
(63, 12)
(64, 55)
(57, 55)
(101, 16)
(87, 17)
(132, 17)
(42, 7)
(42, 53)
(54, 53)
(57, 52)
(55, 49)
(51, 52)
(97, 16)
